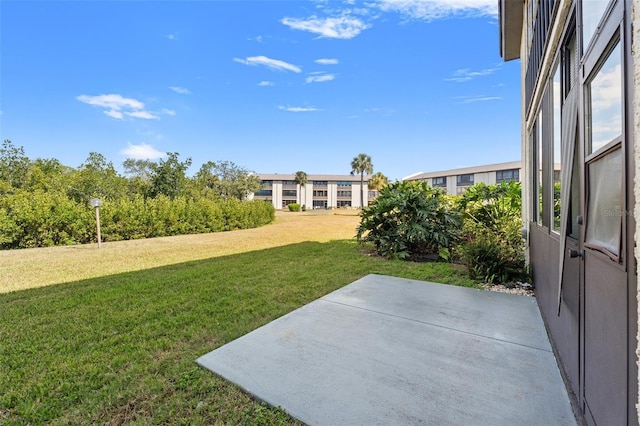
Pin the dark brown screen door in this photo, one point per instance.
(605, 318)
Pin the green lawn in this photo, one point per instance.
(122, 348)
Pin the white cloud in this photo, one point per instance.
(264, 83)
(325, 61)
(606, 88)
(181, 90)
(298, 109)
(320, 78)
(269, 63)
(142, 114)
(112, 101)
(344, 27)
(117, 106)
(141, 152)
(430, 10)
(466, 74)
(168, 111)
(473, 99)
(259, 39)
(113, 113)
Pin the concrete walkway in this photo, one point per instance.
(392, 351)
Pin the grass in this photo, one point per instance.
(29, 268)
(120, 347)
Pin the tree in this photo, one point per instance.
(169, 176)
(227, 180)
(301, 180)
(49, 175)
(361, 164)
(97, 177)
(378, 181)
(139, 173)
(14, 165)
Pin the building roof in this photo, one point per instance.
(291, 176)
(466, 170)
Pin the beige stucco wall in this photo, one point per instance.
(635, 48)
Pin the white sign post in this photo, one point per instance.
(96, 203)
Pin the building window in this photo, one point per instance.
(319, 204)
(512, 175)
(344, 193)
(464, 180)
(604, 103)
(439, 181)
(267, 183)
(264, 193)
(373, 194)
(289, 192)
(320, 183)
(317, 193)
(343, 183)
(285, 203)
(342, 203)
(288, 182)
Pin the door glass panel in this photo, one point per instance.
(557, 149)
(604, 103)
(592, 11)
(574, 207)
(539, 168)
(604, 223)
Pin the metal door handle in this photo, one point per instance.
(576, 253)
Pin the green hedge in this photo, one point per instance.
(42, 219)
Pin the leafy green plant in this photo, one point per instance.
(294, 207)
(410, 220)
(493, 247)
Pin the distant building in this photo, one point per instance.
(456, 181)
(320, 192)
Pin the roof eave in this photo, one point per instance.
(511, 13)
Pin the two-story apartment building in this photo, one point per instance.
(456, 181)
(580, 75)
(320, 191)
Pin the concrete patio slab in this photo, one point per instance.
(392, 351)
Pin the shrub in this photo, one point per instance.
(294, 207)
(409, 220)
(493, 248)
(40, 219)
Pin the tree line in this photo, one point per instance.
(44, 203)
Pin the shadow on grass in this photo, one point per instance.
(121, 348)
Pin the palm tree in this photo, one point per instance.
(300, 179)
(361, 164)
(378, 181)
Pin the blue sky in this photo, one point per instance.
(274, 86)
